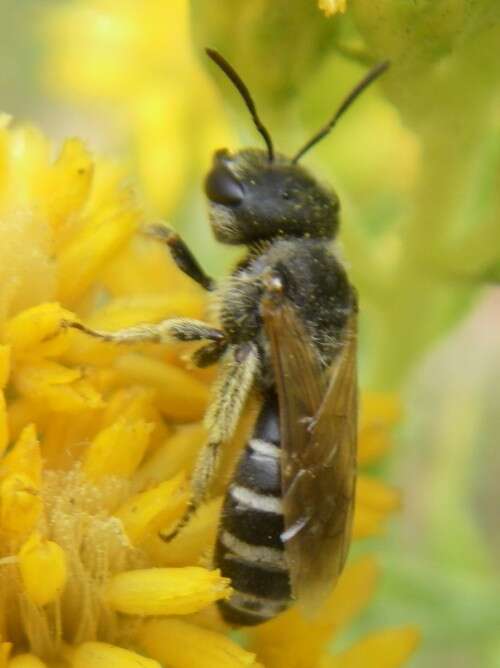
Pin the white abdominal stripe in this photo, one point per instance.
(254, 501)
(264, 448)
(257, 555)
(256, 605)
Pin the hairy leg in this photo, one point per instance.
(166, 331)
(209, 354)
(236, 379)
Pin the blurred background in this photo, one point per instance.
(416, 163)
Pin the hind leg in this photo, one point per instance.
(239, 368)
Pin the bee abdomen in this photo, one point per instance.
(249, 548)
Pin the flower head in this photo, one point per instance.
(139, 59)
(331, 7)
(99, 441)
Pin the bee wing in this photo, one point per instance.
(318, 416)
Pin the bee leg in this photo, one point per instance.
(181, 254)
(208, 354)
(238, 373)
(166, 331)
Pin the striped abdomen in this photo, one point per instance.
(249, 549)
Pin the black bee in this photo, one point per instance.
(287, 334)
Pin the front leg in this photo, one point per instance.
(181, 254)
(166, 331)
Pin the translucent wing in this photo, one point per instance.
(318, 416)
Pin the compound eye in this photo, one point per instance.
(222, 187)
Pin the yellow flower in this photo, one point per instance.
(98, 442)
(291, 640)
(331, 7)
(138, 58)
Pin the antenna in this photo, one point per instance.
(373, 74)
(245, 94)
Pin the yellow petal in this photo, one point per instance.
(34, 325)
(368, 523)
(373, 445)
(20, 502)
(389, 648)
(144, 274)
(168, 103)
(379, 413)
(42, 564)
(194, 544)
(374, 503)
(25, 457)
(146, 513)
(136, 403)
(69, 181)
(52, 373)
(180, 396)
(28, 157)
(117, 450)
(293, 641)
(4, 365)
(376, 495)
(65, 437)
(380, 408)
(4, 424)
(165, 591)
(141, 308)
(56, 387)
(102, 655)
(176, 643)
(5, 650)
(177, 453)
(132, 403)
(80, 261)
(26, 661)
(20, 412)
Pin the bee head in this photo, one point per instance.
(256, 195)
(253, 199)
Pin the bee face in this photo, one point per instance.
(252, 199)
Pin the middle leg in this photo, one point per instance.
(166, 331)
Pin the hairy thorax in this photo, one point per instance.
(314, 280)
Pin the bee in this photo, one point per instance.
(287, 335)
